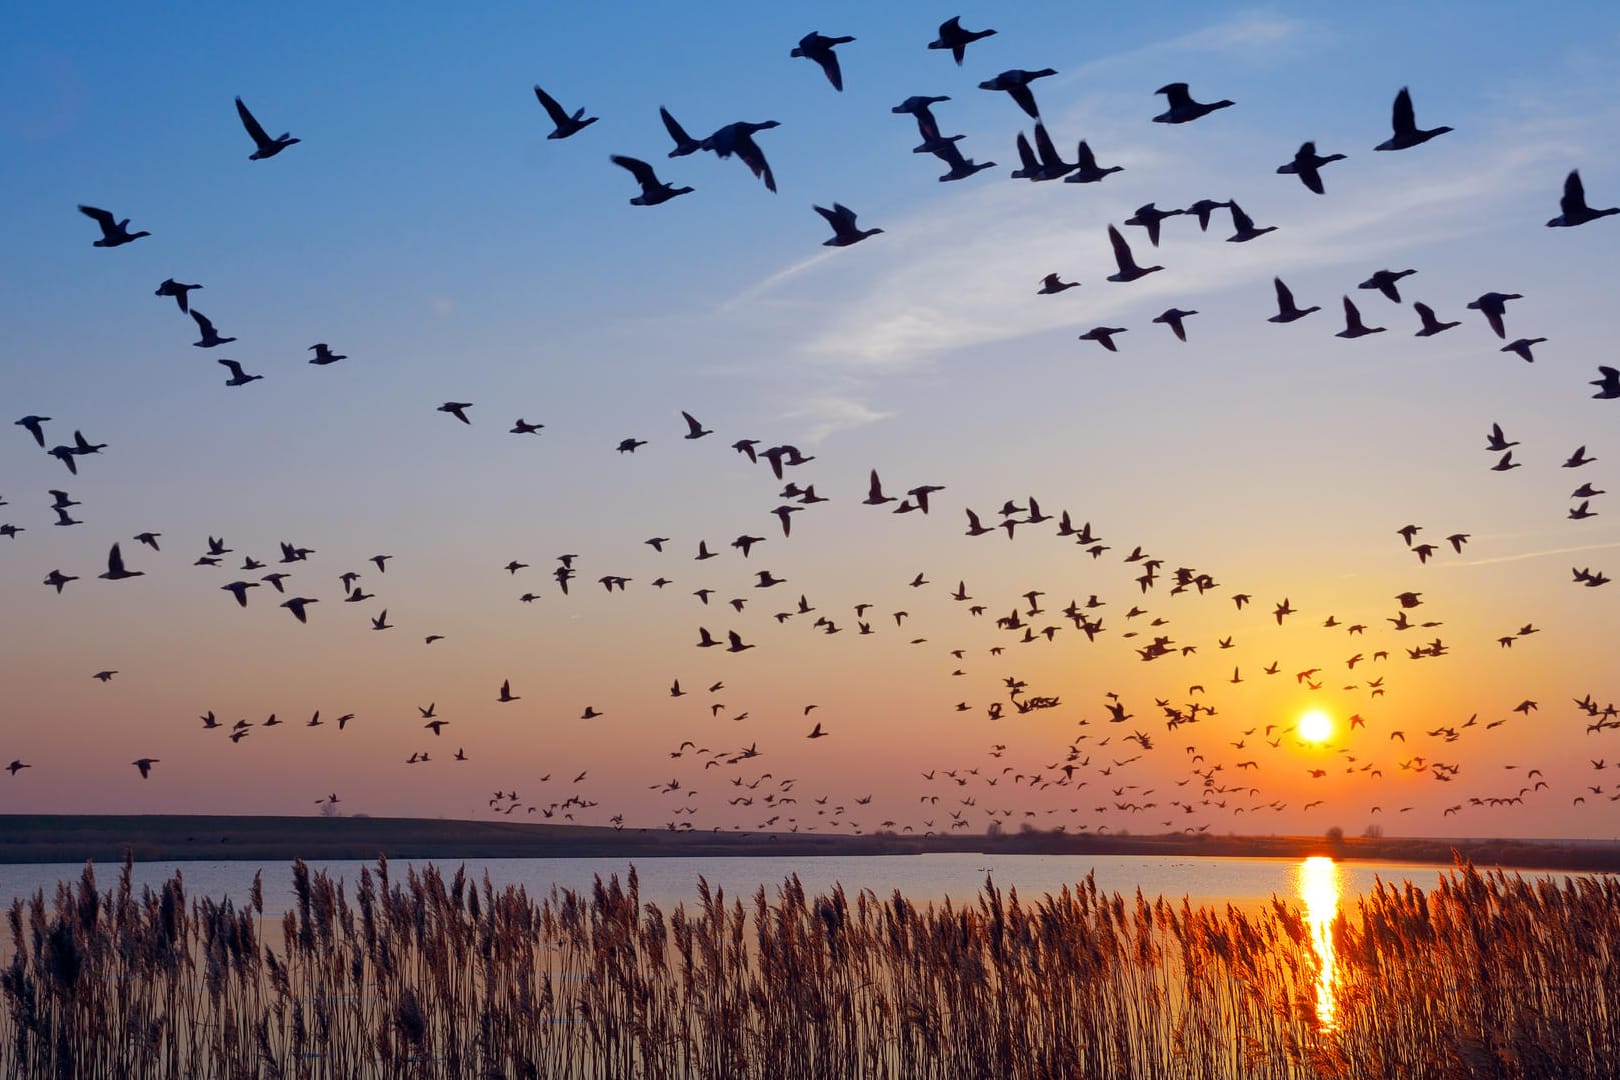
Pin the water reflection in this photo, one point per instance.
(1319, 888)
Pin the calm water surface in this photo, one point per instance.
(921, 878)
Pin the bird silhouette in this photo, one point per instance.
(180, 292)
(738, 139)
(1353, 326)
(1015, 82)
(1182, 108)
(842, 220)
(819, 47)
(1307, 165)
(113, 233)
(457, 409)
(566, 123)
(956, 39)
(238, 376)
(1572, 206)
(1128, 270)
(1404, 121)
(653, 190)
(264, 145)
(210, 337)
(1493, 305)
(115, 567)
(323, 354)
(1287, 310)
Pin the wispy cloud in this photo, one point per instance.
(827, 414)
(1522, 556)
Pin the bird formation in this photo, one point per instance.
(1221, 765)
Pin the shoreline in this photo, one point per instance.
(69, 838)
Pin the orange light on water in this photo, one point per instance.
(1319, 889)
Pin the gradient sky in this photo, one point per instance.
(427, 229)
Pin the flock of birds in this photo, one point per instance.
(1217, 762)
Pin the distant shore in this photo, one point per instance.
(42, 838)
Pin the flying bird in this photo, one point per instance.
(1086, 169)
(265, 146)
(694, 430)
(566, 124)
(1493, 305)
(297, 604)
(1574, 210)
(179, 291)
(115, 567)
(1404, 121)
(684, 143)
(1172, 317)
(145, 765)
(1128, 270)
(738, 139)
(1608, 383)
(457, 409)
(1287, 310)
(238, 376)
(1015, 82)
(210, 336)
(819, 47)
(956, 39)
(1182, 108)
(842, 220)
(324, 355)
(1104, 336)
(1353, 326)
(1244, 226)
(1307, 165)
(653, 190)
(1521, 348)
(113, 233)
(34, 425)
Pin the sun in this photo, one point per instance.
(1316, 726)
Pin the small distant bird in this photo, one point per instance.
(145, 765)
(1245, 227)
(694, 430)
(1086, 170)
(653, 190)
(819, 47)
(150, 539)
(1128, 270)
(566, 124)
(1015, 82)
(1384, 281)
(684, 143)
(56, 579)
(1609, 383)
(1150, 217)
(738, 139)
(1521, 348)
(324, 355)
(1182, 108)
(1573, 205)
(523, 427)
(1287, 310)
(1104, 336)
(1579, 458)
(1353, 326)
(113, 233)
(238, 376)
(239, 590)
(1497, 440)
(180, 292)
(210, 336)
(506, 692)
(1493, 305)
(1307, 165)
(457, 409)
(628, 446)
(17, 766)
(35, 427)
(266, 147)
(1172, 318)
(1051, 285)
(115, 567)
(297, 604)
(842, 220)
(1431, 324)
(816, 732)
(1404, 121)
(956, 39)
(104, 676)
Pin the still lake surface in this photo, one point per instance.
(1246, 883)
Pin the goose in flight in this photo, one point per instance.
(1051, 285)
(1404, 120)
(1353, 326)
(1431, 324)
(115, 567)
(457, 409)
(819, 47)
(1204, 210)
(297, 604)
(1244, 226)
(324, 355)
(506, 694)
(1307, 165)
(179, 291)
(56, 579)
(1128, 270)
(1493, 305)
(842, 220)
(113, 233)
(694, 430)
(684, 143)
(35, 427)
(816, 732)
(210, 336)
(1182, 108)
(150, 539)
(239, 590)
(738, 139)
(238, 376)
(1521, 347)
(961, 167)
(1608, 383)
(264, 145)
(566, 124)
(1104, 336)
(523, 427)
(1086, 169)
(956, 39)
(17, 766)
(653, 190)
(1578, 458)
(1287, 310)
(1149, 217)
(1015, 82)
(1572, 205)
(874, 494)
(1172, 317)
(145, 765)
(1385, 281)
(628, 446)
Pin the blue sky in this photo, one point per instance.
(427, 228)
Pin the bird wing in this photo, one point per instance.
(549, 103)
(1177, 95)
(1122, 250)
(1574, 200)
(1402, 116)
(252, 125)
(1285, 295)
(754, 158)
(115, 561)
(692, 426)
(674, 128)
(203, 323)
(234, 367)
(642, 171)
(101, 217)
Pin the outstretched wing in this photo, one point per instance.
(252, 125)
(100, 216)
(1402, 116)
(639, 169)
(549, 103)
(1573, 202)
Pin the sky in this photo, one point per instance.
(428, 230)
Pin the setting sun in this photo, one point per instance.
(1316, 726)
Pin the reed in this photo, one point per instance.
(1483, 975)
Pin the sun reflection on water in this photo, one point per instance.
(1319, 888)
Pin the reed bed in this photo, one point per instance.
(1484, 975)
